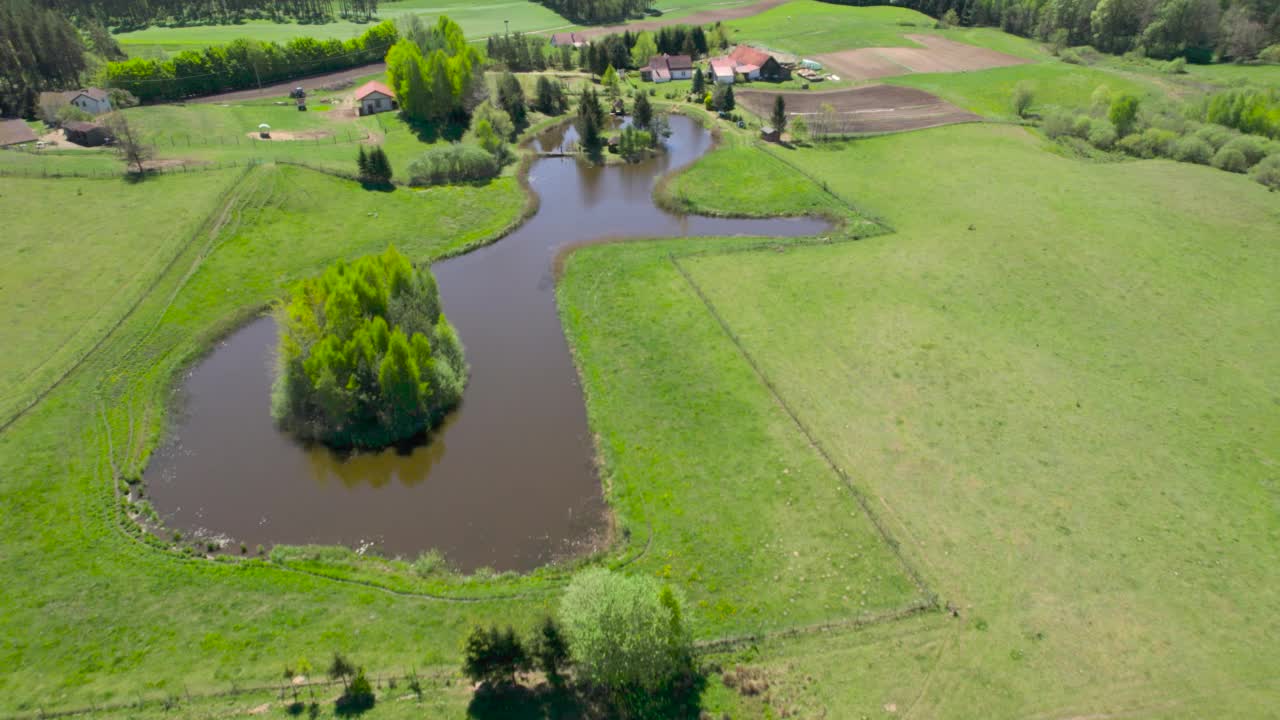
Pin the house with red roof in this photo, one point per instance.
(749, 62)
(374, 97)
(665, 68)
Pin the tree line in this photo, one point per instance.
(1198, 30)
(133, 14)
(596, 11)
(244, 64)
(39, 50)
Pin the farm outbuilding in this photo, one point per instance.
(86, 134)
(374, 97)
(757, 64)
(91, 100)
(14, 132)
(770, 134)
(722, 70)
(568, 39)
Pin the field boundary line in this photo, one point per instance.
(930, 598)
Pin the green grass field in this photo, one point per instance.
(811, 27)
(1054, 84)
(1048, 394)
(479, 19)
(1055, 380)
(82, 253)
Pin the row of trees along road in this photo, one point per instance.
(1195, 29)
(245, 63)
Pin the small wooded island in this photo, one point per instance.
(367, 357)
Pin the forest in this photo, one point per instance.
(1199, 30)
(39, 50)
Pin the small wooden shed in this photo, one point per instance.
(88, 134)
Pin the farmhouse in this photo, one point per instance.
(665, 68)
(13, 132)
(91, 100)
(87, 134)
(374, 97)
(568, 39)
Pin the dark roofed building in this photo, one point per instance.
(13, 132)
(756, 64)
(87, 134)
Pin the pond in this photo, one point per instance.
(508, 481)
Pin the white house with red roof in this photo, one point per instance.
(374, 97)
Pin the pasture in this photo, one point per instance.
(1059, 396)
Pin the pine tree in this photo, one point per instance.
(362, 161)
(699, 83)
(511, 98)
(642, 113)
(380, 166)
(779, 117)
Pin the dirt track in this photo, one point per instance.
(938, 55)
(315, 82)
(874, 109)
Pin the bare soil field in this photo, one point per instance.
(938, 55)
(873, 109)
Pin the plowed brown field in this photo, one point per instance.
(938, 55)
(873, 109)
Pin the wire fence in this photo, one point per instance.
(121, 171)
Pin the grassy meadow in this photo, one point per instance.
(77, 261)
(1043, 397)
(1060, 396)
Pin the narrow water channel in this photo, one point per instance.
(508, 481)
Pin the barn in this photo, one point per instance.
(87, 134)
(15, 132)
(374, 97)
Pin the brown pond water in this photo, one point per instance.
(508, 481)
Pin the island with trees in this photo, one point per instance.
(366, 357)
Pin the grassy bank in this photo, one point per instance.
(1057, 393)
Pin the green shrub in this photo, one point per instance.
(431, 562)
(453, 163)
(1071, 55)
(366, 356)
(1193, 149)
(1023, 95)
(1157, 142)
(1247, 109)
(1251, 148)
(625, 631)
(1057, 124)
(358, 696)
(1270, 54)
(1131, 145)
(1215, 135)
(1081, 126)
(1102, 135)
(1267, 171)
(1123, 113)
(1176, 66)
(493, 656)
(1230, 159)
